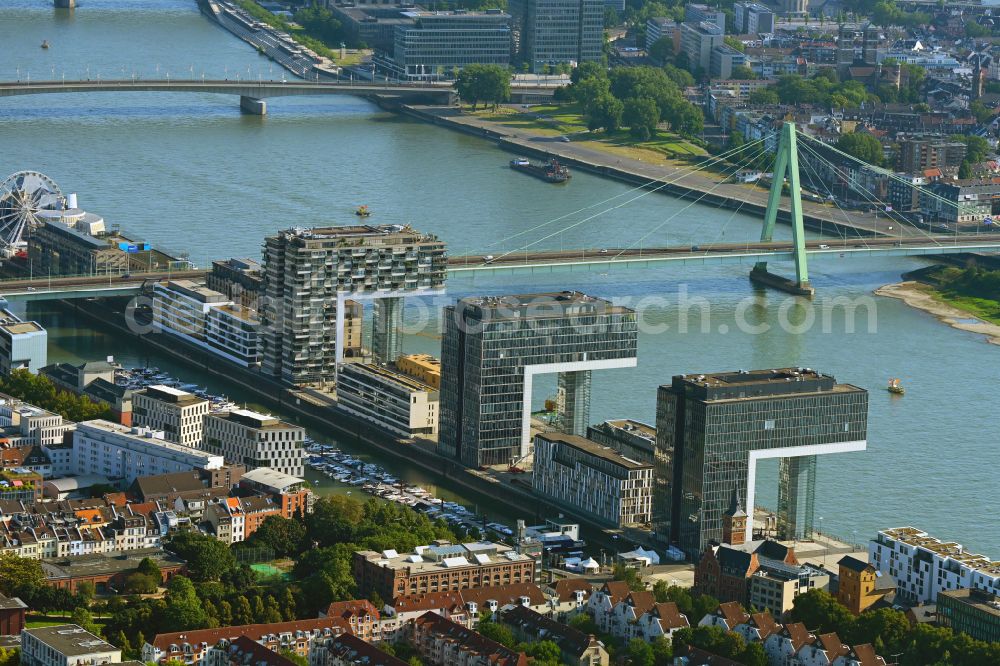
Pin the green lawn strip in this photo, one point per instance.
(981, 308)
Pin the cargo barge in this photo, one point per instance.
(550, 171)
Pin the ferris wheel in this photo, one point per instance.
(22, 195)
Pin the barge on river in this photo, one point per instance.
(550, 171)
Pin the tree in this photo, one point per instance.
(976, 30)
(743, 73)
(630, 576)
(753, 655)
(207, 557)
(641, 115)
(149, 568)
(819, 611)
(679, 76)
(543, 653)
(184, 610)
(976, 147)
(19, 574)
(497, 632)
(663, 652)
(662, 50)
(81, 616)
(294, 657)
(605, 113)
(86, 590)
(640, 653)
(242, 613)
(486, 83)
(765, 97)
(584, 622)
(282, 535)
(863, 146)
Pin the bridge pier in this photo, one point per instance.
(65, 4)
(251, 105)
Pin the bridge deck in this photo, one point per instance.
(554, 261)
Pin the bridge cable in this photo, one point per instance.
(664, 183)
(769, 169)
(659, 226)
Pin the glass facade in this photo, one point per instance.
(487, 345)
(710, 424)
(437, 45)
(553, 32)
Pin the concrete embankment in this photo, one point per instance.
(309, 411)
(618, 171)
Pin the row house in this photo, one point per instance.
(568, 597)
(349, 650)
(602, 602)
(575, 647)
(305, 638)
(661, 621)
(360, 616)
(442, 642)
(626, 613)
(465, 607)
(242, 652)
(790, 644)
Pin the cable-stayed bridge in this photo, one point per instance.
(533, 257)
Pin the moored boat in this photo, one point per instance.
(550, 170)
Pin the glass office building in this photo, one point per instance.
(554, 32)
(439, 44)
(492, 349)
(717, 427)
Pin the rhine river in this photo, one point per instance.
(188, 171)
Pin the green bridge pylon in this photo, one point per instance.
(786, 165)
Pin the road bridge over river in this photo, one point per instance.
(253, 93)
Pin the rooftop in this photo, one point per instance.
(194, 290)
(445, 556)
(949, 549)
(272, 478)
(400, 378)
(13, 324)
(254, 419)
(71, 640)
(538, 306)
(173, 395)
(593, 449)
(100, 564)
(361, 234)
(756, 384)
(983, 601)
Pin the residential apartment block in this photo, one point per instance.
(698, 39)
(924, 566)
(440, 567)
(593, 479)
(391, 400)
(23, 344)
(121, 453)
(310, 273)
(752, 18)
(442, 642)
(179, 415)
(66, 645)
(255, 440)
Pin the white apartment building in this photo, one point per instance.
(922, 566)
(23, 344)
(255, 440)
(232, 332)
(66, 645)
(178, 414)
(180, 307)
(36, 425)
(119, 452)
(391, 400)
(592, 478)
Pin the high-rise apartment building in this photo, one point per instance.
(177, 413)
(718, 426)
(546, 33)
(255, 440)
(494, 346)
(309, 274)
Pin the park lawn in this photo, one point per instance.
(33, 620)
(543, 119)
